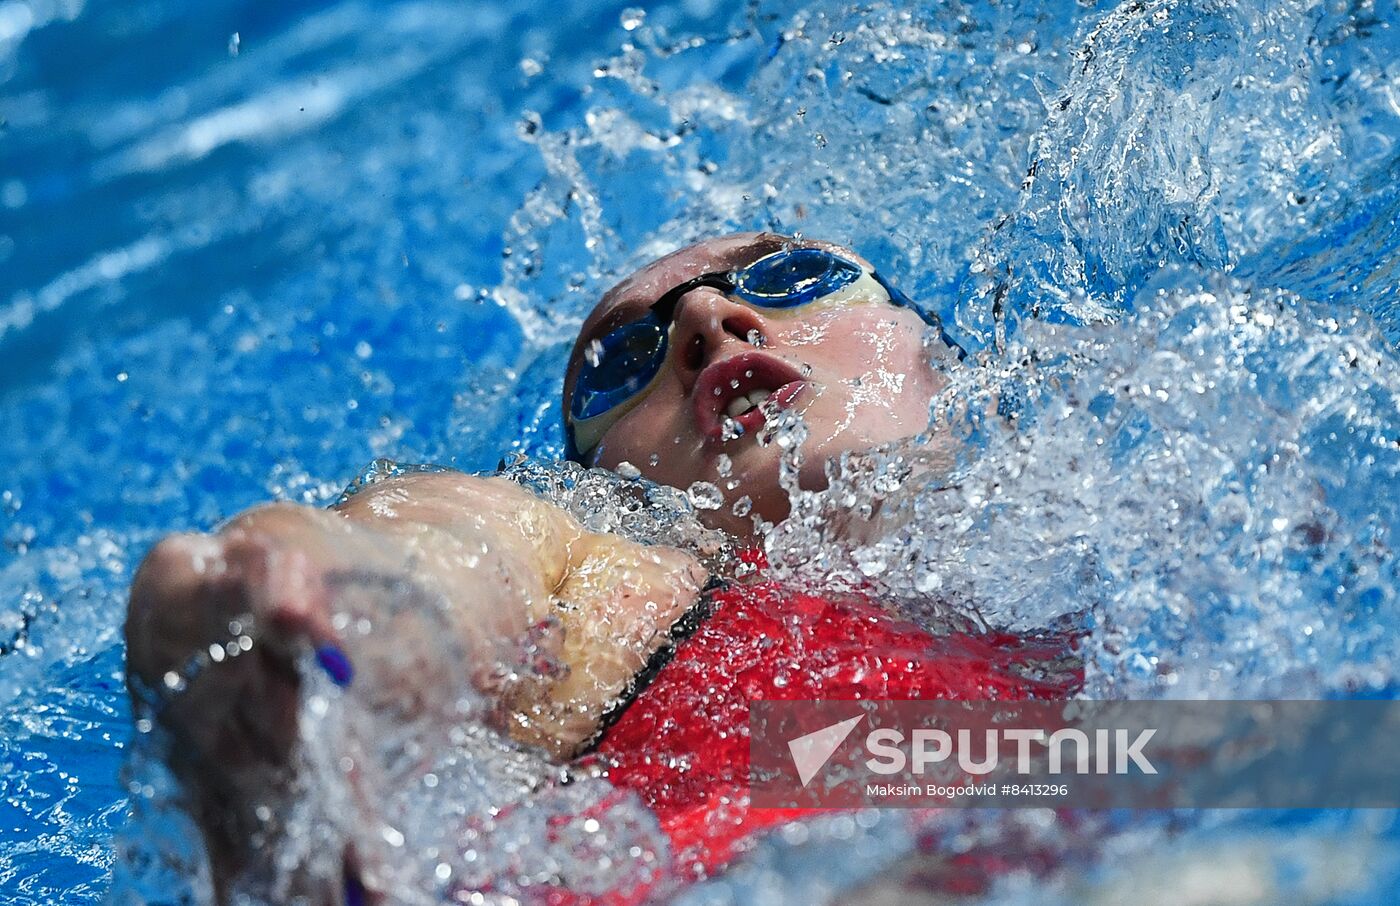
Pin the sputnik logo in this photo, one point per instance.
(811, 752)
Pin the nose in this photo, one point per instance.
(706, 322)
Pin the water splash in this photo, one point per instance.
(908, 133)
(1195, 470)
(1200, 484)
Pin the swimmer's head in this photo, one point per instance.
(668, 370)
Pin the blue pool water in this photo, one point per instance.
(246, 249)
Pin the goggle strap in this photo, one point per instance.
(931, 319)
(665, 307)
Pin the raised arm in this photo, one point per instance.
(496, 558)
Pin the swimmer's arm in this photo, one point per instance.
(501, 558)
(614, 600)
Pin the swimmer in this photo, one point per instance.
(679, 365)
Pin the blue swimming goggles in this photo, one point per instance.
(620, 365)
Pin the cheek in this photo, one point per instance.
(653, 436)
(876, 377)
(849, 345)
(813, 334)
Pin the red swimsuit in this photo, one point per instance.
(683, 744)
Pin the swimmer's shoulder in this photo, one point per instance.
(445, 494)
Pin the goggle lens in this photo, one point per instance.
(625, 361)
(793, 278)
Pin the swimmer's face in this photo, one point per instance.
(857, 372)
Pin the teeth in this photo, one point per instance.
(743, 403)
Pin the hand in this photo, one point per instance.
(215, 631)
(197, 593)
(237, 607)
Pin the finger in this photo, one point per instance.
(182, 598)
(286, 588)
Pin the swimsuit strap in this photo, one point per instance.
(685, 626)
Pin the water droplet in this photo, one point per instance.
(869, 560)
(628, 471)
(632, 18)
(705, 496)
(742, 507)
(723, 465)
(530, 124)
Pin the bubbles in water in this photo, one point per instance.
(637, 509)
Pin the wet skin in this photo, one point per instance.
(500, 560)
(858, 374)
(493, 559)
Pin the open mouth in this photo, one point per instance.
(730, 395)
